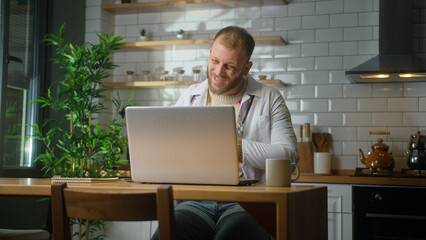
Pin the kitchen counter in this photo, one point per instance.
(348, 179)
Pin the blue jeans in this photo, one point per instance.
(205, 220)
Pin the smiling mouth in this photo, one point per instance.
(217, 79)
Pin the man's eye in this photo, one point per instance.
(231, 67)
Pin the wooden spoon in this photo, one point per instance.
(327, 138)
(319, 140)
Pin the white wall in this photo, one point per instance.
(325, 39)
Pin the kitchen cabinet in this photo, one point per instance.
(185, 5)
(339, 199)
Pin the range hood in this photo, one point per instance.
(396, 62)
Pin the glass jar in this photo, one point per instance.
(164, 75)
(196, 76)
(179, 75)
(130, 76)
(146, 76)
(262, 77)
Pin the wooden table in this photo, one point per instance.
(297, 212)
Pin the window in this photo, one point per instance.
(20, 80)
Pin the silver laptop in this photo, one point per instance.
(187, 145)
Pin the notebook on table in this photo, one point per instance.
(184, 145)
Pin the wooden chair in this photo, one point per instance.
(28, 234)
(111, 206)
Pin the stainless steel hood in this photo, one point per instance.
(396, 61)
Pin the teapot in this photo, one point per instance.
(417, 153)
(379, 157)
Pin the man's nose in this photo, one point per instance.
(219, 69)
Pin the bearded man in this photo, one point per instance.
(264, 130)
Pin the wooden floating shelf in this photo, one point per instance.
(184, 5)
(154, 84)
(147, 84)
(161, 45)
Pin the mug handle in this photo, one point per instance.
(297, 172)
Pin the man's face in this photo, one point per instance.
(225, 69)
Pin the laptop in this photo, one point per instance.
(183, 145)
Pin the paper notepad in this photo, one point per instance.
(81, 180)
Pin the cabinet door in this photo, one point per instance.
(339, 198)
(334, 226)
(339, 226)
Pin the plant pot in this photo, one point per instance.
(142, 38)
(179, 36)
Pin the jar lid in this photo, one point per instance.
(196, 70)
(164, 71)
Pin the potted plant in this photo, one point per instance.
(143, 34)
(86, 149)
(180, 33)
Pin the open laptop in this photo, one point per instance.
(186, 145)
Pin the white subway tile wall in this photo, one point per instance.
(326, 38)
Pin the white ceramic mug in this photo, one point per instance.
(321, 162)
(278, 172)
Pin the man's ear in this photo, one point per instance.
(247, 68)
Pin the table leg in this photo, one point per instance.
(282, 219)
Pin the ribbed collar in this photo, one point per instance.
(217, 99)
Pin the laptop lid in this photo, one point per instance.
(189, 145)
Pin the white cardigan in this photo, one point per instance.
(268, 131)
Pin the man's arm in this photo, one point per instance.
(283, 142)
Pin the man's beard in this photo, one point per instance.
(228, 85)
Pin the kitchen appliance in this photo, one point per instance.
(379, 157)
(396, 61)
(417, 152)
(389, 212)
(379, 162)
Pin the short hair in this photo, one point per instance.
(234, 37)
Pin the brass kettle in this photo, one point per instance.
(379, 157)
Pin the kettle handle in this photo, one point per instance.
(380, 132)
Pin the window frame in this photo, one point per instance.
(37, 85)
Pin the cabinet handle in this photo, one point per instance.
(394, 216)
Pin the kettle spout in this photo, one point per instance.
(362, 157)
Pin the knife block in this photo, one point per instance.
(306, 161)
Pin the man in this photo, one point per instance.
(264, 131)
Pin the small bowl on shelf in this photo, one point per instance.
(262, 77)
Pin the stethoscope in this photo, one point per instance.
(245, 108)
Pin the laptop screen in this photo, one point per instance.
(189, 145)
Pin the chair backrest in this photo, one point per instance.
(112, 206)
